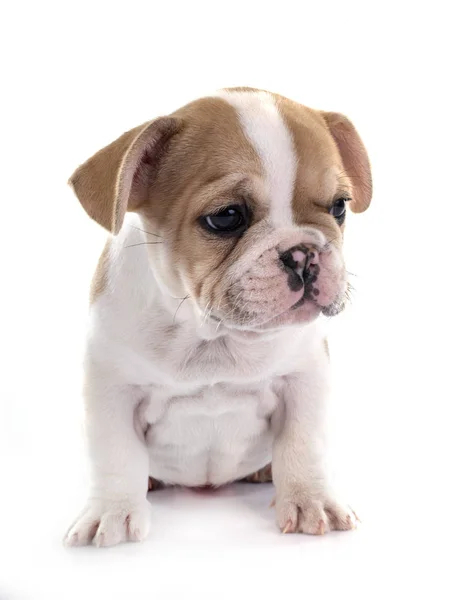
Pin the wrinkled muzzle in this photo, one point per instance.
(285, 286)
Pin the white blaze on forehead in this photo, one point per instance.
(265, 128)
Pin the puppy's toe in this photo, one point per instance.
(313, 519)
(341, 517)
(138, 526)
(305, 513)
(112, 529)
(82, 532)
(109, 523)
(287, 515)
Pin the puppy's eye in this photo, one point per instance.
(338, 209)
(232, 220)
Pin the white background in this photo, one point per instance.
(74, 76)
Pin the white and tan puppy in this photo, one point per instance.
(206, 360)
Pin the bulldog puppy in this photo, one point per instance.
(206, 360)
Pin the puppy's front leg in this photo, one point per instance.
(304, 501)
(117, 508)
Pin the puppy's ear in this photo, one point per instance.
(116, 179)
(354, 157)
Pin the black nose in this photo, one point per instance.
(298, 262)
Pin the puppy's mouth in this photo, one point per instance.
(308, 307)
(311, 293)
(305, 310)
(335, 308)
(280, 294)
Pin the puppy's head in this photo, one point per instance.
(248, 192)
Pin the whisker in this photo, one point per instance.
(237, 299)
(147, 232)
(206, 314)
(142, 244)
(327, 244)
(177, 309)
(219, 321)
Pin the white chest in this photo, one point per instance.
(209, 401)
(217, 434)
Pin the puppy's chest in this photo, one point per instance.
(179, 356)
(212, 435)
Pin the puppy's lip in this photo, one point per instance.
(290, 317)
(329, 310)
(333, 309)
(278, 321)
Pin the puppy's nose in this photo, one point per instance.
(299, 259)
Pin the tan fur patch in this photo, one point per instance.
(264, 475)
(319, 164)
(100, 278)
(116, 178)
(217, 163)
(356, 164)
(154, 484)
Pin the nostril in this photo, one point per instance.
(295, 258)
(312, 268)
(312, 258)
(288, 260)
(294, 264)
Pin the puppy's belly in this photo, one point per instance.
(211, 438)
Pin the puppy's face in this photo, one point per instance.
(248, 192)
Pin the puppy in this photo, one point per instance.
(206, 359)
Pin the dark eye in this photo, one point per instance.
(230, 220)
(338, 209)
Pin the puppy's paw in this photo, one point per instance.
(300, 512)
(107, 523)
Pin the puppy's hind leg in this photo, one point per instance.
(264, 475)
(154, 484)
